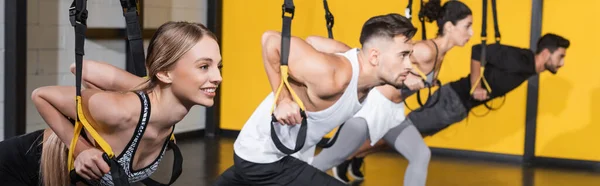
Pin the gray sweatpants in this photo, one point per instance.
(405, 138)
(448, 110)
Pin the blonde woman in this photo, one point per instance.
(184, 70)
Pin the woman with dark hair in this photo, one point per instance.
(383, 111)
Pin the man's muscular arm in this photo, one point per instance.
(306, 65)
(327, 45)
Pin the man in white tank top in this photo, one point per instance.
(382, 111)
(329, 86)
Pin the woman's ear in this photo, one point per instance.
(164, 76)
(448, 27)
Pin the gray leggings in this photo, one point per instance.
(404, 138)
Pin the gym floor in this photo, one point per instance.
(205, 159)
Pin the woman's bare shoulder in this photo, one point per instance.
(111, 109)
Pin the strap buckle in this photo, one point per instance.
(484, 39)
(329, 19)
(422, 16)
(290, 10)
(129, 6)
(78, 16)
(125, 3)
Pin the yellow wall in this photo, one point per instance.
(569, 102)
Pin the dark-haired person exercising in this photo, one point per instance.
(331, 86)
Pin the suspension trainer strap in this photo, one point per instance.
(134, 36)
(177, 166)
(416, 71)
(328, 19)
(496, 27)
(408, 10)
(428, 103)
(78, 17)
(325, 143)
(423, 37)
(483, 52)
(498, 38)
(408, 14)
(422, 19)
(289, 8)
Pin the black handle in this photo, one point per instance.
(300, 140)
(75, 178)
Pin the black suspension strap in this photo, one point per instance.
(177, 167)
(325, 143)
(483, 55)
(408, 14)
(408, 10)
(328, 19)
(428, 103)
(422, 20)
(134, 36)
(289, 8)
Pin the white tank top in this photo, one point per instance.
(381, 114)
(254, 142)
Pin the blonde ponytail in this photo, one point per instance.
(53, 163)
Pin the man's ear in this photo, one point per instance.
(374, 56)
(546, 54)
(164, 76)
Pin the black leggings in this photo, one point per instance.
(288, 171)
(19, 159)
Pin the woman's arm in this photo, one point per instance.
(55, 102)
(54, 114)
(104, 76)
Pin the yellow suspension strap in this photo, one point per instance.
(483, 60)
(289, 8)
(78, 18)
